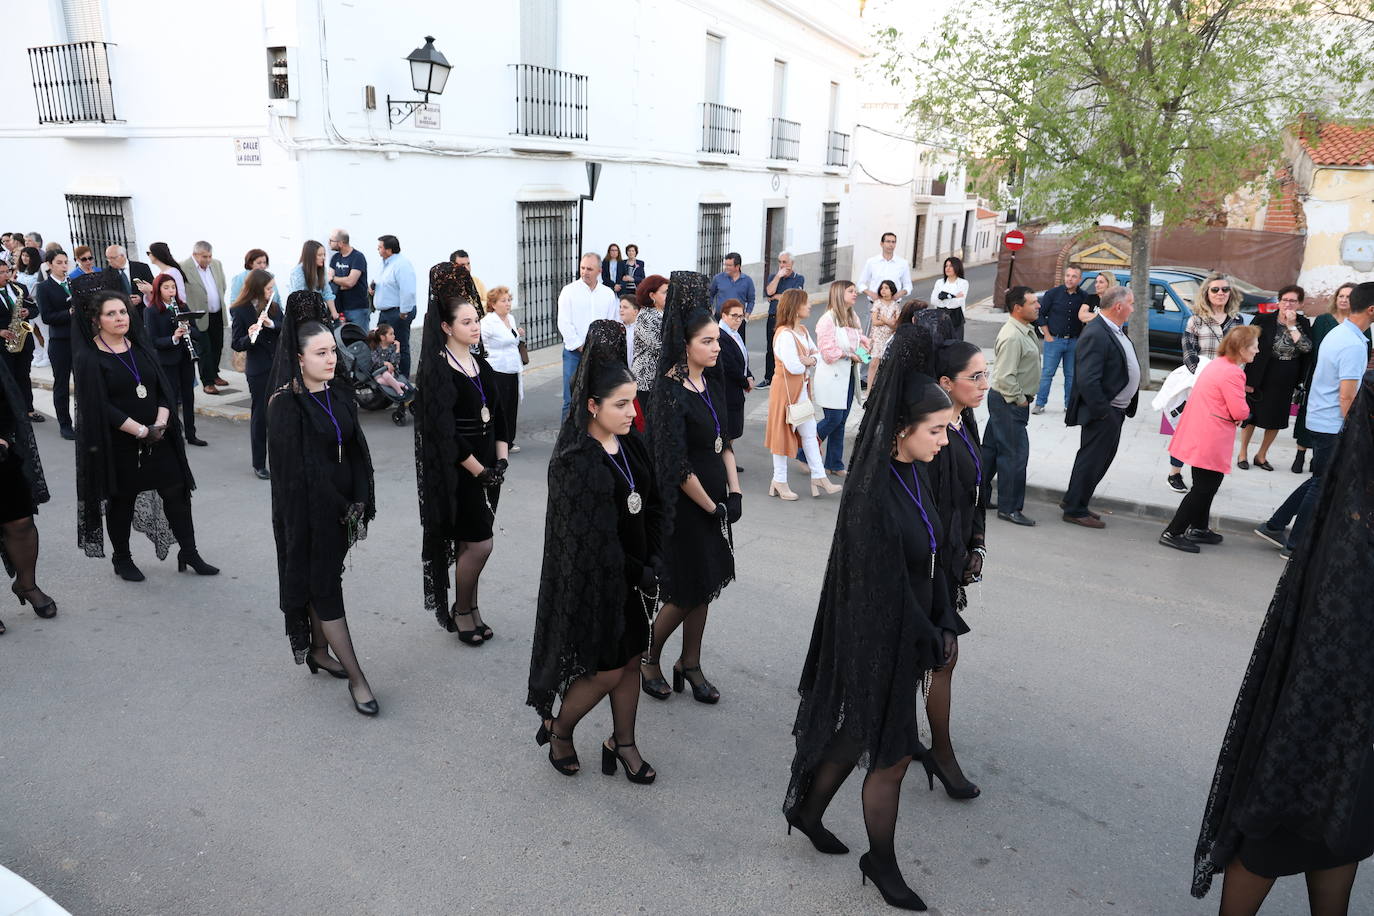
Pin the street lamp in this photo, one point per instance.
(429, 71)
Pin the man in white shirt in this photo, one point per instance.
(205, 293)
(886, 266)
(579, 304)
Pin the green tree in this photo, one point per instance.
(1129, 108)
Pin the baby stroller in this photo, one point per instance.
(355, 363)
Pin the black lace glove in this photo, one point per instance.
(354, 514)
(155, 433)
(487, 477)
(973, 570)
(498, 470)
(721, 512)
(734, 507)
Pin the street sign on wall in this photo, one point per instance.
(247, 151)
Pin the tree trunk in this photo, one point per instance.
(1138, 328)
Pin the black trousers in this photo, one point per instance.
(956, 321)
(768, 349)
(258, 386)
(60, 355)
(1096, 451)
(1196, 509)
(176, 503)
(508, 390)
(182, 380)
(210, 344)
(20, 366)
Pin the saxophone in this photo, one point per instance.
(20, 328)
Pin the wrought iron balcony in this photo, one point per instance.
(786, 139)
(719, 129)
(931, 187)
(837, 148)
(71, 83)
(550, 103)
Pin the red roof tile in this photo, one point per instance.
(1341, 144)
(986, 214)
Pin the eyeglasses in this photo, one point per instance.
(1219, 289)
(86, 257)
(1288, 302)
(975, 377)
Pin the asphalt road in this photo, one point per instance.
(160, 753)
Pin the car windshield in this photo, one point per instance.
(1186, 289)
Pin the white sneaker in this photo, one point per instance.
(1038, 409)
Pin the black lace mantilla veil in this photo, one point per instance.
(23, 443)
(582, 582)
(861, 683)
(1303, 723)
(301, 505)
(95, 468)
(436, 443)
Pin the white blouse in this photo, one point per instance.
(958, 288)
(789, 355)
(503, 347)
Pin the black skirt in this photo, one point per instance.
(634, 540)
(700, 559)
(1272, 406)
(1282, 853)
(16, 499)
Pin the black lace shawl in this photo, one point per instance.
(667, 417)
(23, 443)
(96, 479)
(861, 682)
(582, 583)
(1303, 722)
(436, 442)
(303, 502)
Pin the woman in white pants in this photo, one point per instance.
(796, 356)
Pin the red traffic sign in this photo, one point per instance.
(1015, 239)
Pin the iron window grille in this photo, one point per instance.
(830, 235)
(719, 128)
(837, 149)
(786, 139)
(550, 103)
(100, 222)
(71, 83)
(546, 262)
(713, 237)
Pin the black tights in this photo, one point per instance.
(1196, 509)
(333, 634)
(937, 710)
(693, 623)
(1328, 891)
(882, 795)
(176, 503)
(467, 574)
(21, 543)
(622, 685)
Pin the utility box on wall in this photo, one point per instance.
(283, 86)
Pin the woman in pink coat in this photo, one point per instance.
(1206, 436)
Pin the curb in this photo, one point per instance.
(1110, 505)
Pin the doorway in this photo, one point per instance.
(774, 226)
(918, 242)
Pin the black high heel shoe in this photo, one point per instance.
(370, 708)
(194, 561)
(471, 637)
(705, 692)
(655, 687)
(642, 776)
(124, 568)
(569, 765)
(2, 628)
(933, 772)
(891, 885)
(47, 610)
(481, 627)
(315, 668)
(822, 839)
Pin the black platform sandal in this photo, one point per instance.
(471, 637)
(705, 692)
(46, 610)
(642, 776)
(655, 687)
(568, 766)
(481, 627)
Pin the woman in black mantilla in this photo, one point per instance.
(460, 462)
(22, 489)
(880, 627)
(322, 492)
(131, 458)
(601, 546)
(694, 461)
(956, 475)
(1294, 784)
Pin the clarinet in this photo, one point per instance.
(190, 344)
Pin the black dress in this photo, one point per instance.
(956, 478)
(16, 498)
(637, 533)
(699, 560)
(475, 505)
(138, 464)
(1276, 371)
(928, 580)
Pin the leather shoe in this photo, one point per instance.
(211, 389)
(1087, 521)
(67, 432)
(192, 440)
(1090, 512)
(262, 473)
(1016, 518)
(220, 381)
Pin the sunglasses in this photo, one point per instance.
(86, 258)
(1219, 289)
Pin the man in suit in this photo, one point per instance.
(14, 301)
(205, 293)
(734, 366)
(1106, 387)
(132, 278)
(54, 297)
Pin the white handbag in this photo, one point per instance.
(802, 409)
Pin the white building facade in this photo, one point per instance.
(720, 126)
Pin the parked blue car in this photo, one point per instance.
(1171, 298)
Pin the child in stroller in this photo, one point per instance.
(386, 353)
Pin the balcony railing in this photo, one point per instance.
(786, 139)
(72, 83)
(837, 148)
(931, 187)
(719, 129)
(550, 103)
